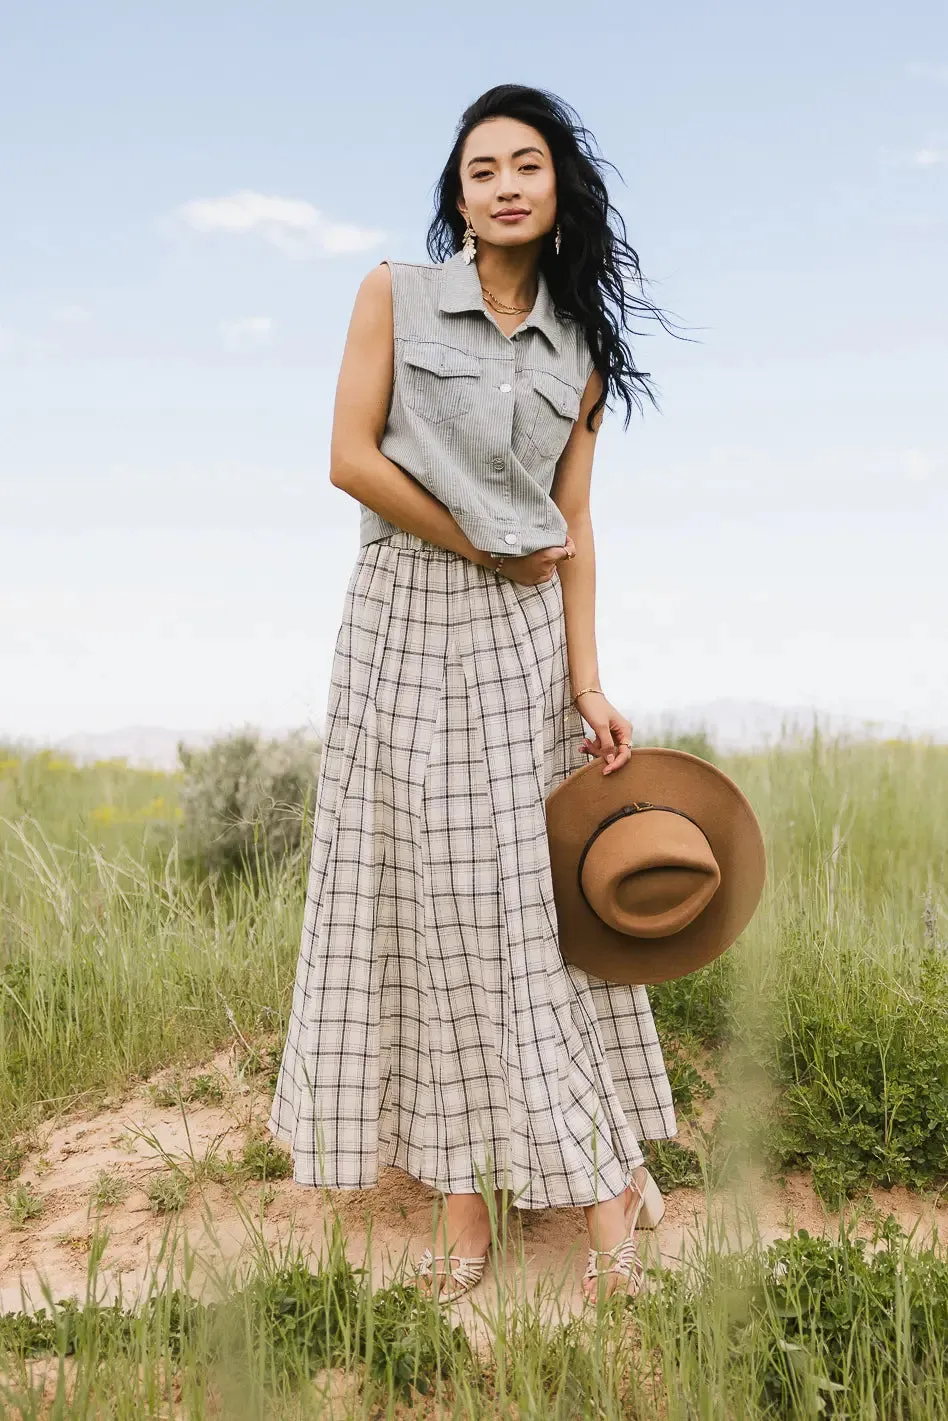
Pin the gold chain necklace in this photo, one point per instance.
(501, 306)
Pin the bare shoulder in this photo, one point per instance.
(372, 317)
(378, 277)
(375, 288)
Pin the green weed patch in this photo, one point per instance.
(866, 1087)
(812, 1326)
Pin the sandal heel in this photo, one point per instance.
(651, 1208)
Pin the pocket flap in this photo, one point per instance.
(564, 398)
(440, 359)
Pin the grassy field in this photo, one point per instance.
(825, 1032)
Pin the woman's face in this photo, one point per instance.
(507, 166)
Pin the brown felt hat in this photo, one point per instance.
(657, 867)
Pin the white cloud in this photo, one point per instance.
(929, 71)
(289, 224)
(932, 154)
(929, 157)
(246, 332)
(72, 315)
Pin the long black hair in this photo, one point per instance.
(587, 280)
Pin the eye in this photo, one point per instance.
(482, 173)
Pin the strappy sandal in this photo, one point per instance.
(625, 1262)
(465, 1273)
(648, 1210)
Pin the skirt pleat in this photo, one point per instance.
(434, 1024)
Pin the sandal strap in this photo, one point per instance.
(467, 1271)
(625, 1260)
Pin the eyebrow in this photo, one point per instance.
(517, 154)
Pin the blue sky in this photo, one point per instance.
(191, 195)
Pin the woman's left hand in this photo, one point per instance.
(612, 732)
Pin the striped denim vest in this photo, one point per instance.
(477, 417)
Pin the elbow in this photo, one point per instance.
(341, 472)
(350, 467)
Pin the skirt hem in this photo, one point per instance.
(550, 1200)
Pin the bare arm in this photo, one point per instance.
(570, 493)
(363, 394)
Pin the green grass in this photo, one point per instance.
(831, 1327)
(825, 1031)
(112, 967)
(115, 962)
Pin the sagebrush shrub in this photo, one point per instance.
(246, 798)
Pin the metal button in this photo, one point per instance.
(510, 537)
(497, 464)
(505, 388)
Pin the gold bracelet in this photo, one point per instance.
(598, 689)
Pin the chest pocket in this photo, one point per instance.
(439, 382)
(555, 408)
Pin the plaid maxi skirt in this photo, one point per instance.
(434, 1024)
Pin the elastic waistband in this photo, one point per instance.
(401, 539)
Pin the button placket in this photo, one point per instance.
(499, 462)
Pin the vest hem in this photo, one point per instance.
(486, 534)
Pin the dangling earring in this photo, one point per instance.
(468, 246)
(556, 239)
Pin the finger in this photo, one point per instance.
(623, 755)
(605, 742)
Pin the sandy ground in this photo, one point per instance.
(136, 1139)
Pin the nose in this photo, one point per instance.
(508, 188)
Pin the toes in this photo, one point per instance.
(440, 1284)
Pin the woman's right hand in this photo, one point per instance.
(534, 568)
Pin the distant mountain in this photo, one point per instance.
(729, 724)
(147, 746)
(733, 725)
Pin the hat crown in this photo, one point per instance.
(648, 870)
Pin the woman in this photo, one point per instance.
(435, 1025)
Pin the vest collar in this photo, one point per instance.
(461, 291)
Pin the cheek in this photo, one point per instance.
(545, 191)
(478, 201)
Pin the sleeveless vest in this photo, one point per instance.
(477, 417)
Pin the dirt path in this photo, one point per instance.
(221, 1219)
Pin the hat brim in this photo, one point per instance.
(661, 776)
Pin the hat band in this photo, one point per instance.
(635, 807)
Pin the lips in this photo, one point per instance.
(512, 216)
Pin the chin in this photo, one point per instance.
(516, 238)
